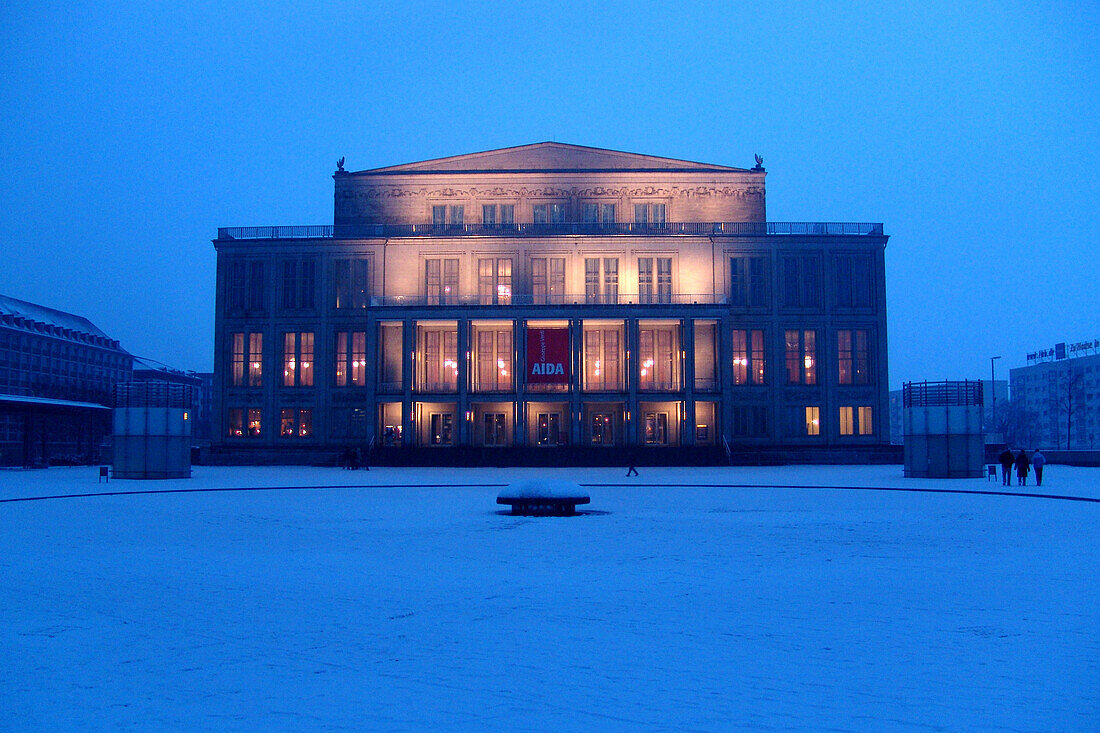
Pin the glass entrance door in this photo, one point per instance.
(442, 428)
(603, 429)
(493, 424)
(656, 428)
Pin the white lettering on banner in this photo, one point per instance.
(544, 368)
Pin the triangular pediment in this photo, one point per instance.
(546, 157)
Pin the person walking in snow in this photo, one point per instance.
(1006, 459)
(1038, 460)
(1022, 468)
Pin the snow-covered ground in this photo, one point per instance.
(406, 600)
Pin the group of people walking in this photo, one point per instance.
(1023, 466)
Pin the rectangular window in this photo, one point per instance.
(457, 215)
(236, 422)
(602, 359)
(438, 348)
(255, 424)
(548, 279)
(656, 428)
(441, 426)
(657, 351)
(853, 357)
(548, 213)
(590, 213)
(813, 421)
(641, 213)
(664, 279)
(352, 283)
(847, 422)
(350, 368)
(238, 285)
(489, 215)
(494, 281)
(439, 215)
(652, 214)
(298, 359)
(493, 368)
(298, 284)
(441, 281)
(802, 281)
(507, 214)
(866, 426)
(853, 281)
(801, 357)
(750, 420)
(255, 359)
(748, 357)
(295, 423)
(239, 359)
(748, 282)
(256, 287)
(645, 280)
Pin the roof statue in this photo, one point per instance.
(340, 164)
(759, 162)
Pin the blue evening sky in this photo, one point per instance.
(130, 131)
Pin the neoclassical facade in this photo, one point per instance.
(545, 302)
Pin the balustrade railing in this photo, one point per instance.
(728, 228)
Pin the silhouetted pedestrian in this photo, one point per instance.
(1038, 460)
(1007, 459)
(1022, 468)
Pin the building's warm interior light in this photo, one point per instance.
(809, 360)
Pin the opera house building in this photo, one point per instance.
(554, 304)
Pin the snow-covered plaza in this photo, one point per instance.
(683, 599)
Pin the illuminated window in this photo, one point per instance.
(748, 357)
(236, 422)
(602, 358)
(298, 364)
(866, 426)
(255, 424)
(494, 281)
(853, 357)
(801, 357)
(351, 359)
(658, 354)
(441, 281)
(813, 421)
(295, 423)
(438, 352)
(847, 423)
(247, 359)
(493, 369)
(646, 292)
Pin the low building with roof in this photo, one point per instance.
(57, 377)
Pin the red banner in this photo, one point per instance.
(547, 355)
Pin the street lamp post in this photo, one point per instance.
(993, 388)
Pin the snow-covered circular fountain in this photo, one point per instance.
(544, 498)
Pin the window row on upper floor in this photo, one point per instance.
(552, 212)
(808, 282)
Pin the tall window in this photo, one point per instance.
(494, 281)
(801, 357)
(351, 359)
(802, 281)
(248, 360)
(646, 291)
(853, 281)
(748, 282)
(653, 214)
(493, 370)
(246, 285)
(439, 359)
(852, 357)
(601, 280)
(299, 282)
(352, 283)
(295, 423)
(657, 352)
(748, 357)
(298, 359)
(507, 214)
(548, 213)
(602, 358)
(813, 420)
(548, 279)
(441, 281)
